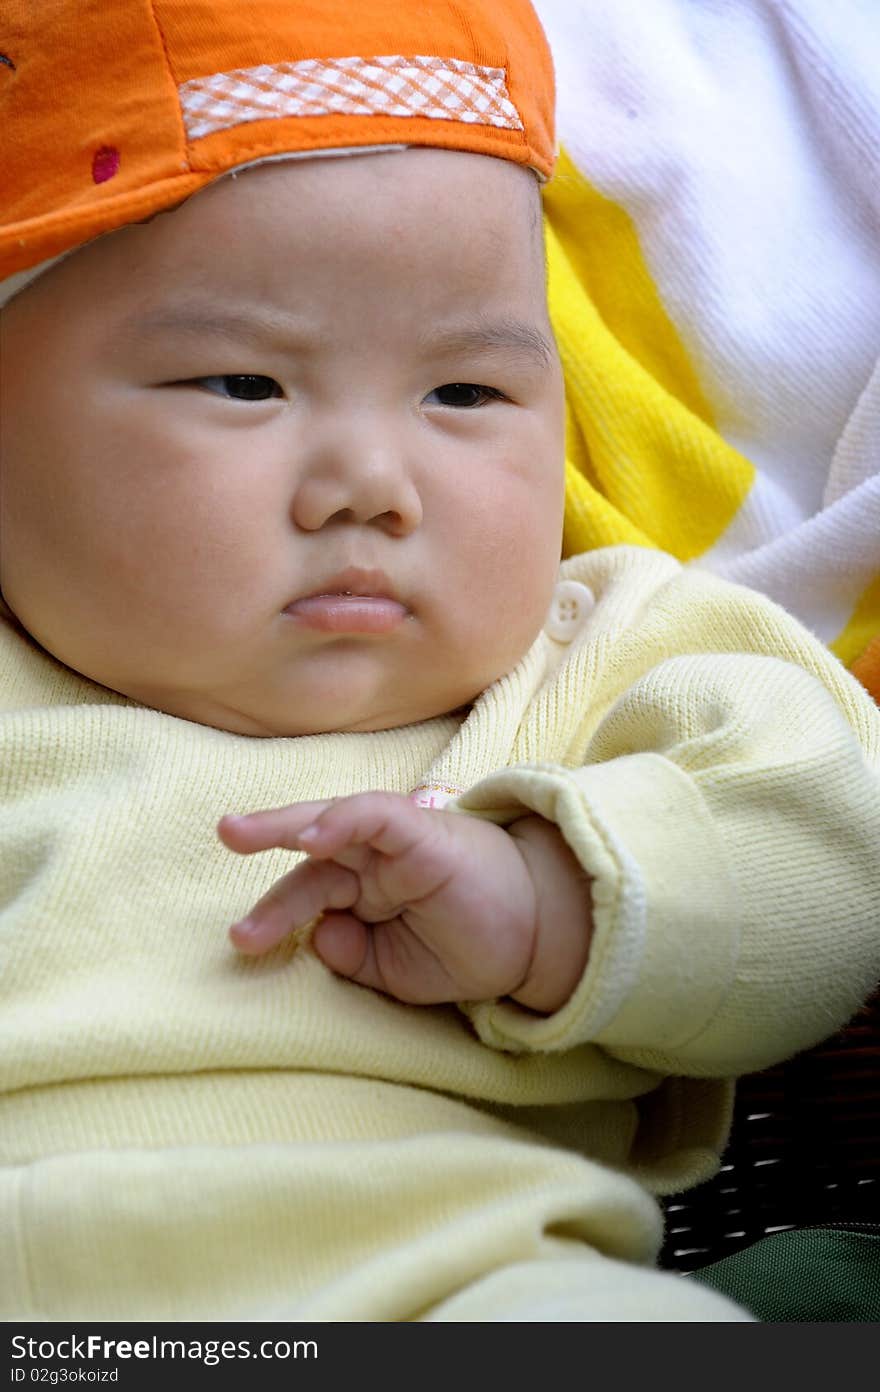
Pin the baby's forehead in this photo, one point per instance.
(421, 252)
(402, 181)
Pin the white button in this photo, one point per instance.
(572, 605)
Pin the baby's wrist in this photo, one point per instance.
(563, 916)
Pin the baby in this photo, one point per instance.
(282, 498)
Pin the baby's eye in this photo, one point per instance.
(240, 386)
(463, 395)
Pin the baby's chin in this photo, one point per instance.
(340, 710)
(236, 723)
(260, 721)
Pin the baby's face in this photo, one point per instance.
(289, 459)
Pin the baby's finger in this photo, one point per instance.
(390, 823)
(292, 902)
(387, 957)
(277, 826)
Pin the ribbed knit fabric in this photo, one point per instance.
(189, 1135)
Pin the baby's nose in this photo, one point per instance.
(361, 475)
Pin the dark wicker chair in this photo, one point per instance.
(804, 1150)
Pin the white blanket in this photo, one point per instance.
(741, 140)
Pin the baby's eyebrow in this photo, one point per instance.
(512, 336)
(204, 322)
(505, 335)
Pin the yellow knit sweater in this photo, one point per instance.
(187, 1134)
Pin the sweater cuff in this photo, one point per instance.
(665, 934)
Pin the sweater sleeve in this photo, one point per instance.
(729, 819)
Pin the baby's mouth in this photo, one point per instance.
(354, 602)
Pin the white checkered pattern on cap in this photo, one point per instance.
(443, 89)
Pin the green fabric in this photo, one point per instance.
(805, 1274)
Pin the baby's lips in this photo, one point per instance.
(348, 613)
(355, 600)
(366, 582)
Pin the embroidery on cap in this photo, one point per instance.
(105, 164)
(442, 89)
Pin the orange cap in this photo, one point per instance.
(112, 110)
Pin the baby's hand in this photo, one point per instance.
(424, 905)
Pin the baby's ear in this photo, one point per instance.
(867, 668)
